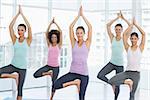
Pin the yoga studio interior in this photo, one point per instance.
(99, 13)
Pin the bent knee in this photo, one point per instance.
(100, 76)
(35, 75)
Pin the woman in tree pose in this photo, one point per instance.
(116, 62)
(134, 51)
(78, 74)
(19, 61)
(54, 42)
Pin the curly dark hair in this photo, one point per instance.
(56, 32)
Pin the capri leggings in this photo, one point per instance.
(121, 77)
(11, 69)
(106, 70)
(47, 68)
(71, 77)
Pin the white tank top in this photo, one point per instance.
(134, 58)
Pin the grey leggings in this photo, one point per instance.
(46, 68)
(106, 70)
(71, 77)
(121, 77)
(11, 69)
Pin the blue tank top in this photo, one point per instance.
(117, 52)
(20, 54)
(79, 59)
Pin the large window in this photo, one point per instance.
(98, 12)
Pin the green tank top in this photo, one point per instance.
(117, 52)
(20, 54)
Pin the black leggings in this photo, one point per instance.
(47, 68)
(11, 69)
(106, 70)
(71, 77)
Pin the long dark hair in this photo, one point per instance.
(134, 34)
(23, 26)
(118, 25)
(81, 27)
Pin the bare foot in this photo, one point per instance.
(16, 77)
(13, 76)
(50, 72)
(77, 82)
(129, 82)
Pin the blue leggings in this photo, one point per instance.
(71, 77)
(11, 69)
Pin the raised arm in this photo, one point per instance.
(124, 19)
(47, 31)
(110, 34)
(29, 38)
(59, 29)
(126, 35)
(89, 38)
(142, 44)
(71, 31)
(11, 30)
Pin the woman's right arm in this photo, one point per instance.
(124, 19)
(71, 31)
(126, 35)
(110, 34)
(59, 29)
(47, 31)
(11, 30)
